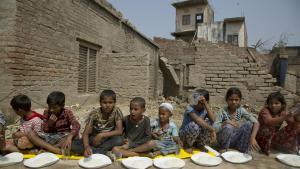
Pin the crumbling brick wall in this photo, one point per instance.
(219, 66)
(44, 45)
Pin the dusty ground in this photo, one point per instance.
(259, 161)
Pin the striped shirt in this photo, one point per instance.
(223, 115)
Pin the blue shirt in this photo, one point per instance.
(187, 118)
(166, 134)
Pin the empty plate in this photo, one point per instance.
(206, 159)
(236, 157)
(137, 162)
(169, 163)
(11, 159)
(95, 161)
(41, 160)
(289, 159)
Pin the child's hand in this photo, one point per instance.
(155, 135)
(53, 117)
(87, 151)
(233, 123)
(97, 139)
(213, 136)
(68, 142)
(202, 100)
(254, 145)
(18, 134)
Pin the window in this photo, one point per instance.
(186, 19)
(87, 69)
(233, 39)
(199, 18)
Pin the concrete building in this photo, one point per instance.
(195, 20)
(77, 46)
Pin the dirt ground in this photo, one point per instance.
(259, 161)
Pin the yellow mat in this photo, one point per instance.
(182, 154)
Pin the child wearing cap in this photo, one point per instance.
(164, 132)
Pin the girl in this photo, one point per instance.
(271, 118)
(232, 131)
(196, 129)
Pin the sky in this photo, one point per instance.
(265, 19)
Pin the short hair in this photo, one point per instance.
(276, 96)
(204, 93)
(232, 91)
(21, 102)
(140, 101)
(56, 98)
(108, 93)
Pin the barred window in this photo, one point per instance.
(186, 19)
(233, 39)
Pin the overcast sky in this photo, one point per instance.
(265, 19)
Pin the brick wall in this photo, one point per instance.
(219, 66)
(44, 55)
(127, 74)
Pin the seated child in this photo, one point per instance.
(137, 131)
(196, 129)
(271, 119)
(236, 128)
(60, 125)
(103, 128)
(30, 121)
(165, 132)
(2, 132)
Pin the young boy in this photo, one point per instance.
(137, 131)
(2, 132)
(60, 125)
(165, 132)
(103, 128)
(30, 121)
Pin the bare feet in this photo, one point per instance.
(153, 154)
(189, 150)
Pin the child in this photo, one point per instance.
(60, 125)
(137, 131)
(103, 128)
(2, 132)
(232, 130)
(165, 132)
(196, 129)
(30, 121)
(271, 118)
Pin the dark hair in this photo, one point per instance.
(140, 101)
(56, 98)
(233, 90)
(108, 93)
(204, 93)
(21, 102)
(276, 96)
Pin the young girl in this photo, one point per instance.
(232, 130)
(196, 129)
(271, 118)
(165, 132)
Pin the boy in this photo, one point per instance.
(103, 128)
(137, 131)
(165, 132)
(60, 125)
(30, 121)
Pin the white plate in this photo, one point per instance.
(205, 159)
(95, 161)
(169, 163)
(137, 162)
(41, 160)
(289, 159)
(236, 157)
(11, 159)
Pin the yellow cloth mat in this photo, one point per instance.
(182, 154)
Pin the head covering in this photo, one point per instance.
(167, 106)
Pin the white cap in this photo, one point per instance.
(167, 106)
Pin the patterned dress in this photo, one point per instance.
(190, 133)
(229, 136)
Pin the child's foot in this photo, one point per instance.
(222, 151)
(189, 150)
(111, 155)
(153, 154)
